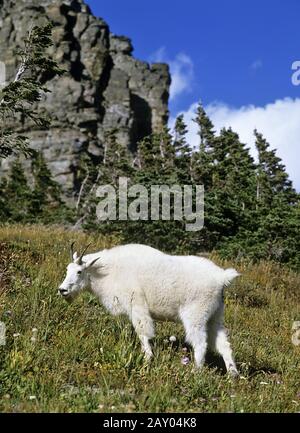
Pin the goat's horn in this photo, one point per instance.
(82, 254)
(71, 250)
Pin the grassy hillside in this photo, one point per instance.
(79, 358)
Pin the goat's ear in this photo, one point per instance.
(91, 262)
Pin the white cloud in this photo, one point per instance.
(181, 69)
(182, 74)
(159, 55)
(277, 121)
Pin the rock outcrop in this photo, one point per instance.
(104, 87)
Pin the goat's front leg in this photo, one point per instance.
(143, 325)
(146, 348)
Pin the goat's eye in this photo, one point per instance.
(79, 272)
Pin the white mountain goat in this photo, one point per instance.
(146, 284)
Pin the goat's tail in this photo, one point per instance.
(229, 275)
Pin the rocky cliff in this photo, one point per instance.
(104, 87)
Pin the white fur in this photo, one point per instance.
(146, 284)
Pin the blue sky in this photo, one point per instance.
(236, 56)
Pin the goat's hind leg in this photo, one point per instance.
(194, 322)
(218, 341)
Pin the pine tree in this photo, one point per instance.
(117, 160)
(273, 183)
(233, 189)
(46, 194)
(167, 154)
(149, 153)
(18, 195)
(4, 205)
(20, 96)
(236, 168)
(35, 200)
(277, 204)
(206, 129)
(203, 159)
(202, 173)
(155, 165)
(270, 222)
(117, 163)
(183, 152)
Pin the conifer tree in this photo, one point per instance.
(236, 168)
(203, 172)
(233, 188)
(203, 159)
(19, 97)
(149, 154)
(273, 182)
(206, 128)
(18, 194)
(277, 204)
(36, 199)
(46, 193)
(117, 160)
(270, 222)
(4, 205)
(183, 152)
(167, 154)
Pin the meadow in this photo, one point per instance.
(77, 358)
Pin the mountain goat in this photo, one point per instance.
(146, 284)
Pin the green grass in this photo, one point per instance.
(84, 360)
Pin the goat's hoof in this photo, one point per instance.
(197, 368)
(148, 357)
(234, 374)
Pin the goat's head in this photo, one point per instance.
(77, 278)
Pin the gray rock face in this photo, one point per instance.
(104, 86)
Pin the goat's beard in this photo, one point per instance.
(69, 298)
